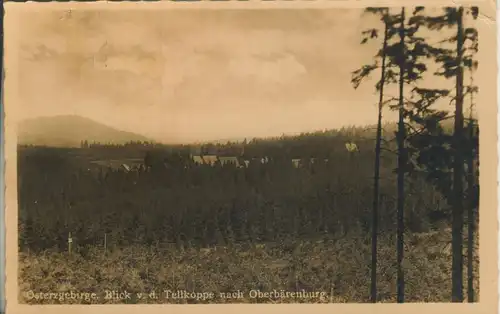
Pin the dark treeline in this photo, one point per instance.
(308, 144)
(203, 205)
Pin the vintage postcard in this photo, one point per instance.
(235, 154)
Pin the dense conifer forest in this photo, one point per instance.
(178, 202)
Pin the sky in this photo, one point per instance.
(194, 75)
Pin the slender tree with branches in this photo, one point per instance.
(401, 53)
(444, 156)
(373, 33)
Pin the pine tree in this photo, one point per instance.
(358, 75)
(401, 161)
(446, 167)
(458, 166)
(403, 52)
(472, 194)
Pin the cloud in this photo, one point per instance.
(127, 63)
(193, 74)
(277, 71)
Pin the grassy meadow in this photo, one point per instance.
(337, 267)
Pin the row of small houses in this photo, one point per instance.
(211, 160)
(244, 163)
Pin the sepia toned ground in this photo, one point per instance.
(338, 268)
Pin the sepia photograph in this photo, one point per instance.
(225, 155)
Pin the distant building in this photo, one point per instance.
(197, 160)
(210, 159)
(351, 147)
(238, 161)
(229, 160)
(204, 160)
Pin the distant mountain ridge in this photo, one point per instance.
(70, 131)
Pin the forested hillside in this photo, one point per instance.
(205, 205)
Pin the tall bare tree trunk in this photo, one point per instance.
(471, 204)
(458, 164)
(401, 165)
(376, 178)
